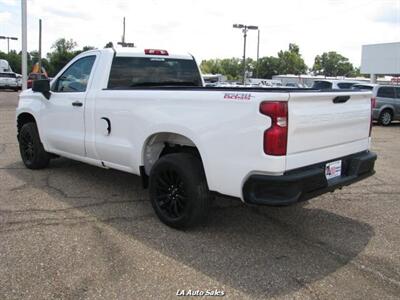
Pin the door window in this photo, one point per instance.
(322, 85)
(76, 77)
(386, 92)
(398, 93)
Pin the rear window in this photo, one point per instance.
(386, 92)
(322, 85)
(345, 85)
(128, 72)
(8, 75)
(363, 87)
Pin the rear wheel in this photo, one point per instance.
(385, 118)
(178, 190)
(32, 152)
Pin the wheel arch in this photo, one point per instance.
(23, 118)
(389, 108)
(162, 143)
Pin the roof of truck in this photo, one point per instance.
(140, 52)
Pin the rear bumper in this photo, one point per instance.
(308, 182)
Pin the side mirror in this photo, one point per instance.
(42, 86)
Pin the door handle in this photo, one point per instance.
(77, 103)
(340, 99)
(108, 125)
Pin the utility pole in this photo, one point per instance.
(244, 28)
(24, 44)
(123, 33)
(40, 46)
(8, 38)
(258, 51)
(122, 42)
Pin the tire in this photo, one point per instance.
(178, 190)
(385, 118)
(31, 148)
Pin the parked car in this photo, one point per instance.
(147, 112)
(19, 81)
(328, 84)
(387, 102)
(35, 76)
(8, 80)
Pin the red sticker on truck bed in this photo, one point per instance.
(238, 96)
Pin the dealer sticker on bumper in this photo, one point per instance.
(333, 169)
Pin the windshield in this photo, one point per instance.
(345, 85)
(322, 85)
(363, 87)
(128, 72)
(8, 75)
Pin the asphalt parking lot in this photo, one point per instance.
(74, 231)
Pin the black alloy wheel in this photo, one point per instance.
(178, 190)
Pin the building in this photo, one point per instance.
(380, 59)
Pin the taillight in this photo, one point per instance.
(275, 137)
(155, 52)
(373, 105)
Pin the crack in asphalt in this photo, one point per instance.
(39, 210)
(65, 222)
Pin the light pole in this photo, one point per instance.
(8, 38)
(40, 46)
(244, 28)
(258, 51)
(24, 45)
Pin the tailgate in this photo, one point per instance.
(316, 122)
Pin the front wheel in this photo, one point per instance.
(178, 190)
(32, 152)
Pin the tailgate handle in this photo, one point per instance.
(340, 99)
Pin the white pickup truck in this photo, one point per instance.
(147, 112)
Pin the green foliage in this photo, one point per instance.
(268, 66)
(230, 67)
(287, 62)
(61, 55)
(333, 64)
(291, 62)
(63, 52)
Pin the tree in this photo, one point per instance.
(62, 54)
(109, 45)
(291, 62)
(333, 64)
(232, 68)
(85, 48)
(267, 67)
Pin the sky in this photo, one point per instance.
(204, 28)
